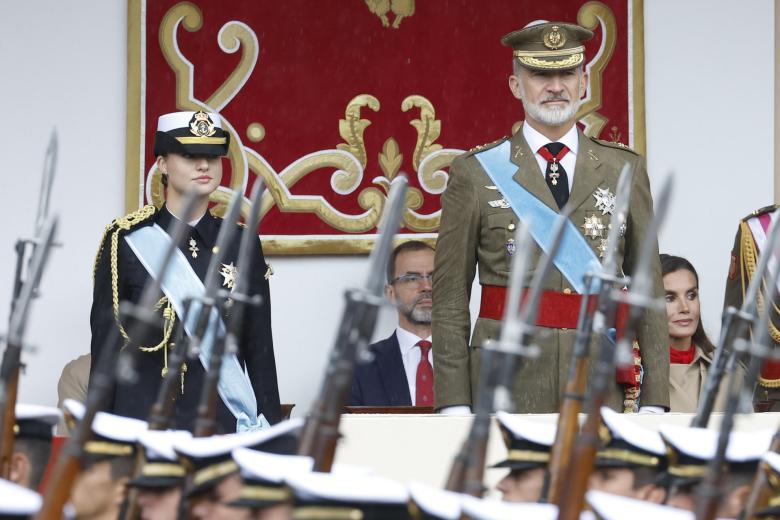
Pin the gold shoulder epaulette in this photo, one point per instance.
(614, 144)
(761, 211)
(124, 223)
(487, 146)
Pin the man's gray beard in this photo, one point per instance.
(551, 116)
(417, 315)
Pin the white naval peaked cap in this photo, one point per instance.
(108, 425)
(535, 431)
(16, 500)
(46, 414)
(175, 120)
(158, 444)
(218, 445)
(702, 443)
(478, 509)
(270, 467)
(615, 507)
(621, 427)
(436, 502)
(773, 460)
(336, 487)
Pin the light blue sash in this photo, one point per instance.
(149, 244)
(575, 257)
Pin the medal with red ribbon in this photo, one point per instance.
(553, 161)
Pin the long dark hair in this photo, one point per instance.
(670, 264)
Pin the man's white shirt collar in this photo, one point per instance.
(407, 340)
(536, 139)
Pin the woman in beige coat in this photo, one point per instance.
(690, 351)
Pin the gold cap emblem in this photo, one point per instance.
(201, 125)
(554, 39)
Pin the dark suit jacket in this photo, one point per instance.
(256, 351)
(382, 382)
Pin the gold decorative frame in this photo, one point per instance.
(372, 199)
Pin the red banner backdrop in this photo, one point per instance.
(329, 100)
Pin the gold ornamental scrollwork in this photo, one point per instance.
(590, 16)
(347, 161)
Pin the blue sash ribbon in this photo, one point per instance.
(575, 257)
(181, 284)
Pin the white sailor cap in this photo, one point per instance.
(431, 503)
(161, 467)
(527, 442)
(264, 477)
(113, 435)
(17, 501)
(771, 466)
(478, 509)
(35, 422)
(689, 450)
(615, 507)
(323, 495)
(627, 444)
(191, 132)
(210, 459)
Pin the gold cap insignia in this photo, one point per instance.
(554, 39)
(201, 125)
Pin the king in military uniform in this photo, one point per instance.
(530, 177)
(189, 147)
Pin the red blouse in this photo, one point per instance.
(682, 357)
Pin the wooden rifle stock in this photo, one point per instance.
(321, 429)
(571, 406)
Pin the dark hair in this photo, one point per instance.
(410, 245)
(37, 452)
(671, 264)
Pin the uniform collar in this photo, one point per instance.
(407, 340)
(536, 140)
(206, 228)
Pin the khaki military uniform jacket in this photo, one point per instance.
(686, 383)
(473, 236)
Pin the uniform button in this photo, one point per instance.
(511, 226)
(567, 291)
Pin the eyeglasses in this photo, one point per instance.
(413, 279)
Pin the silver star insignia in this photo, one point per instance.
(593, 227)
(229, 272)
(605, 200)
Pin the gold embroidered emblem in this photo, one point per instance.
(201, 125)
(193, 248)
(554, 39)
(229, 274)
(400, 8)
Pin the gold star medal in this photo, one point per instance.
(593, 227)
(605, 200)
(229, 274)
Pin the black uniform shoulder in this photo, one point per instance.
(140, 217)
(760, 211)
(614, 145)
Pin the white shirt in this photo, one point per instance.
(410, 355)
(536, 140)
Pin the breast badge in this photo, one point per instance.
(593, 227)
(499, 203)
(229, 274)
(605, 200)
(510, 247)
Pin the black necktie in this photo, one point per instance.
(555, 175)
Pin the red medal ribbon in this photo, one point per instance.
(544, 152)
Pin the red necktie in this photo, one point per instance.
(424, 392)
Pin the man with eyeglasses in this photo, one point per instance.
(401, 373)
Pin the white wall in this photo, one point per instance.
(709, 102)
(710, 113)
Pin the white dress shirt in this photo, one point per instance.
(410, 355)
(536, 140)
